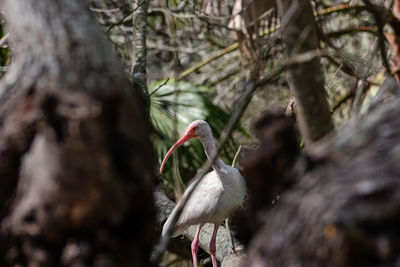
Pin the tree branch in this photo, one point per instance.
(299, 36)
(380, 20)
(139, 52)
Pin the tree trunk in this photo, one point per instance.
(339, 200)
(75, 156)
(139, 52)
(307, 82)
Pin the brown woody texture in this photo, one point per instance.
(75, 156)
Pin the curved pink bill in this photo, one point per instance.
(189, 135)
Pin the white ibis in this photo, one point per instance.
(219, 193)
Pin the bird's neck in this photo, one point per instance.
(211, 151)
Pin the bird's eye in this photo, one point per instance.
(195, 128)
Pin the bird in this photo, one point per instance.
(218, 194)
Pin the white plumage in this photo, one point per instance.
(219, 193)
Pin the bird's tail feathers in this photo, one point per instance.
(176, 230)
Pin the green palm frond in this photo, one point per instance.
(189, 102)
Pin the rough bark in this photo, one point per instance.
(394, 40)
(339, 201)
(299, 34)
(139, 51)
(75, 157)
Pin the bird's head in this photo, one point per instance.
(198, 128)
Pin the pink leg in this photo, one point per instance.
(212, 246)
(195, 245)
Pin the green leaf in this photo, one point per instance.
(188, 102)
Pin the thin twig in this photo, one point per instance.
(236, 156)
(235, 45)
(338, 8)
(208, 60)
(126, 17)
(152, 45)
(98, 10)
(342, 100)
(351, 30)
(230, 236)
(334, 76)
(159, 87)
(380, 23)
(4, 39)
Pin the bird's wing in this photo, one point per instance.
(201, 206)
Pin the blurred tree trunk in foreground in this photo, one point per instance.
(339, 200)
(75, 156)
